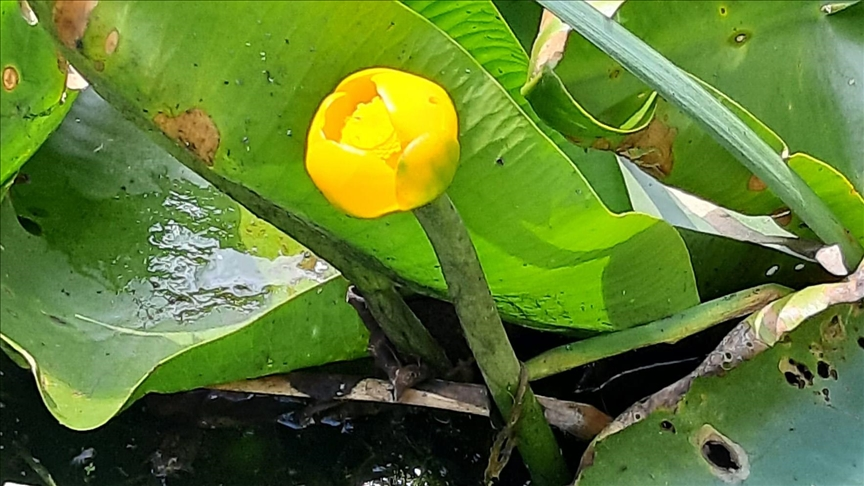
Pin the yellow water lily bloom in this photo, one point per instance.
(383, 141)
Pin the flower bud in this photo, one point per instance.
(383, 141)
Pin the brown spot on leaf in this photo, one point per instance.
(111, 41)
(10, 78)
(651, 148)
(194, 129)
(70, 20)
(601, 144)
(755, 184)
(99, 66)
(782, 216)
(833, 330)
(62, 64)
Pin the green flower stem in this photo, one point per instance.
(669, 330)
(396, 319)
(685, 93)
(485, 334)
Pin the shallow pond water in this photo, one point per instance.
(157, 442)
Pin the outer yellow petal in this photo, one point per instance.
(362, 78)
(425, 170)
(355, 181)
(417, 106)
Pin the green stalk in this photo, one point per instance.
(669, 330)
(467, 287)
(682, 91)
(396, 319)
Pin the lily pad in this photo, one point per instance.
(800, 421)
(124, 273)
(33, 98)
(564, 261)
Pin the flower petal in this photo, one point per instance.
(355, 181)
(417, 106)
(425, 170)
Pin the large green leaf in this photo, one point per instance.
(790, 64)
(790, 415)
(124, 272)
(33, 97)
(478, 27)
(553, 253)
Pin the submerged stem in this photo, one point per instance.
(485, 334)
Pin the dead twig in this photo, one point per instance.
(578, 419)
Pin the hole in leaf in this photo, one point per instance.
(861, 342)
(728, 460)
(667, 425)
(30, 226)
(805, 372)
(823, 369)
(720, 456)
(793, 379)
(740, 38)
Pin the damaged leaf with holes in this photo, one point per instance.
(33, 98)
(125, 273)
(792, 414)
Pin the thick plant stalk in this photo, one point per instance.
(685, 93)
(396, 319)
(669, 330)
(485, 334)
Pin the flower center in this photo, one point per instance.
(369, 128)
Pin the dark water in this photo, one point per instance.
(399, 446)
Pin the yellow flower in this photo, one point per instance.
(383, 141)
